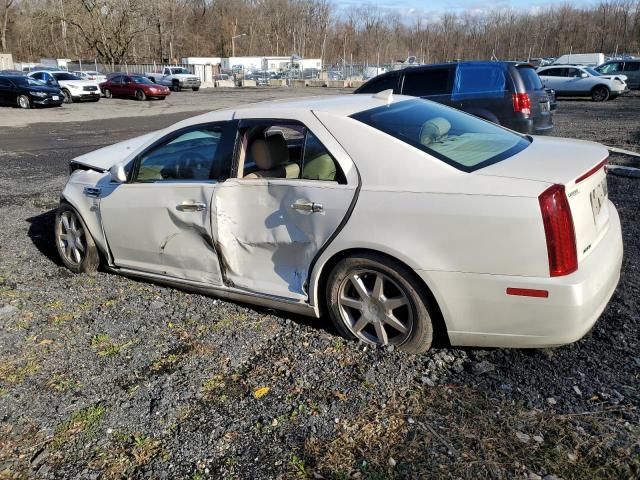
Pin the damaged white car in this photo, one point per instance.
(400, 218)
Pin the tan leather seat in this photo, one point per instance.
(271, 156)
(434, 130)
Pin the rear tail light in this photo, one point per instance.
(559, 231)
(522, 103)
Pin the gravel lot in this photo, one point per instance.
(106, 377)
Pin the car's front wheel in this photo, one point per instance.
(195, 89)
(140, 95)
(67, 96)
(600, 94)
(378, 301)
(23, 102)
(107, 93)
(75, 244)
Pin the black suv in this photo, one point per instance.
(507, 93)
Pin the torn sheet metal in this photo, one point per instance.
(266, 244)
(168, 232)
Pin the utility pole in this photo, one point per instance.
(233, 43)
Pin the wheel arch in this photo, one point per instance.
(319, 286)
(600, 85)
(91, 218)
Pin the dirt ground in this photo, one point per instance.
(102, 376)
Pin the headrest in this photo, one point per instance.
(270, 152)
(434, 130)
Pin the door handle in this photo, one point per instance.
(191, 207)
(310, 207)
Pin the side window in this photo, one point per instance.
(317, 162)
(189, 156)
(426, 82)
(167, 71)
(631, 66)
(117, 79)
(38, 76)
(555, 72)
(379, 84)
(574, 72)
(487, 80)
(285, 150)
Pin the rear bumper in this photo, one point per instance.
(478, 311)
(529, 126)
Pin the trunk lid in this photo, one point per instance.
(578, 165)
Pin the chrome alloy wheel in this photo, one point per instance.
(23, 101)
(71, 238)
(375, 308)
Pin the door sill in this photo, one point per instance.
(227, 293)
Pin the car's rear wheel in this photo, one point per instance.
(140, 95)
(107, 93)
(600, 94)
(176, 86)
(67, 96)
(378, 301)
(75, 244)
(23, 102)
(195, 89)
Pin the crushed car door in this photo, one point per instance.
(287, 200)
(160, 220)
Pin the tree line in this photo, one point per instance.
(138, 31)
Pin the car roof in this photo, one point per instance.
(341, 105)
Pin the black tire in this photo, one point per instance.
(108, 93)
(176, 86)
(420, 333)
(90, 258)
(140, 95)
(600, 94)
(195, 89)
(162, 98)
(23, 102)
(96, 99)
(67, 96)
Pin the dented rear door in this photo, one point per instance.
(269, 231)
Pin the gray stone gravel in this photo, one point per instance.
(106, 377)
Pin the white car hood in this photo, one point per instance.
(104, 158)
(613, 77)
(80, 83)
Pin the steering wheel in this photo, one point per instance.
(188, 163)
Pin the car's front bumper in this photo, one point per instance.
(47, 101)
(478, 312)
(86, 95)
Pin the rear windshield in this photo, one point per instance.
(530, 78)
(456, 138)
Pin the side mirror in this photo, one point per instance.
(118, 174)
(584, 75)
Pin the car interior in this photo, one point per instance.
(285, 151)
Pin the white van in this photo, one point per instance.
(587, 59)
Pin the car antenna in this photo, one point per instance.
(386, 95)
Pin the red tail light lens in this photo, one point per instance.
(558, 228)
(522, 103)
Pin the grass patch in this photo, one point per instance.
(124, 457)
(82, 423)
(15, 374)
(458, 432)
(105, 347)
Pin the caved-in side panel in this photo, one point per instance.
(266, 239)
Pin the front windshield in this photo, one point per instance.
(64, 76)
(144, 80)
(592, 71)
(180, 71)
(461, 140)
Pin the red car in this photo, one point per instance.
(135, 86)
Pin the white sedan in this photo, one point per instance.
(400, 218)
(580, 81)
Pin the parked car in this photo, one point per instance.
(12, 72)
(175, 78)
(24, 92)
(91, 75)
(399, 217)
(580, 81)
(506, 93)
(73, 88)
(133, 86)
(628, 68)
(553, 101)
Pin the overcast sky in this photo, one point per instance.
(428, 8)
